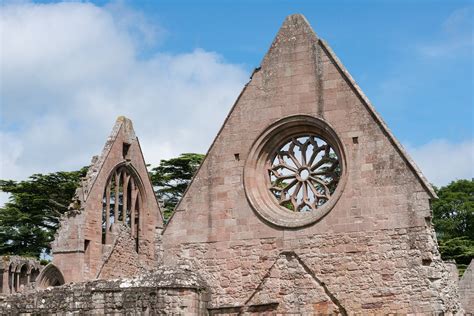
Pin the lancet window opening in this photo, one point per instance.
(122, 203)
(11, 279)
(23, 278)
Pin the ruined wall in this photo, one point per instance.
(375, 250)
(150, 217)
(170, 291)
(291, 286)
(370, 249)
(79, 248)
(466, 289)
(122, 260)
(18, 273)
(68, 246)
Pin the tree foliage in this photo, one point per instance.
(453, 217)
(30, 218)
(453, 212)
(172, 177)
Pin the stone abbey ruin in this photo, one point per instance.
(305, 204)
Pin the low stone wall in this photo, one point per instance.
(169, 291)
(17, 273)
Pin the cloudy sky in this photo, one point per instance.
(68, 69)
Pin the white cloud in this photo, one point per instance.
(69, 69)
(442, 161)
(456, 37)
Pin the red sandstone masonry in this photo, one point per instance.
(169, 291)
(78, 250)
(466, 288)
(375, 252)
(368, 250)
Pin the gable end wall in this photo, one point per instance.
(375, 249)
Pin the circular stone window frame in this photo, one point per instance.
(256, 179)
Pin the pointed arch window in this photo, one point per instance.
(122, 203)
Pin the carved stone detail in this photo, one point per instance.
(286, 187)
(304, 173)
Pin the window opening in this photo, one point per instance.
(304, 173)
(121, 203)
(125, 148)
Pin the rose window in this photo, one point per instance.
(304, 173)
(295, 171)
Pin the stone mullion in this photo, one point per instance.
(107, 211)
(126, 179)
(138, 224)
(12, 282)
(116, 198)
(17, 281)
(132, 208)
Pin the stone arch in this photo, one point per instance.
(34, 274)
(49, 276)
(23, 276)
(122, 201)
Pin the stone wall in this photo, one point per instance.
(466, 289)
(169, 291)
(375, 249)
(382, 272)
(371, 249)
(17, 273)
(69, 247)
(82, 243)
(122, 260)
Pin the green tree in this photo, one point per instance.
(453, 212)
(453, 217)
(172, 177)
(30, 218)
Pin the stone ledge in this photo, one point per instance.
(163, 289)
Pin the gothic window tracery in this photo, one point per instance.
(304, 173)
(122, 202)
(295, 171)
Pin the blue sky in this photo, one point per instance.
(390, 47)
(176, 67)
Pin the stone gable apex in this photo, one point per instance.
(98, 161)
(123, 127)
(369, 223)
(296, 29)
(88, 232)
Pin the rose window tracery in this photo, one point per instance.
(295, 171)
(304, 173)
